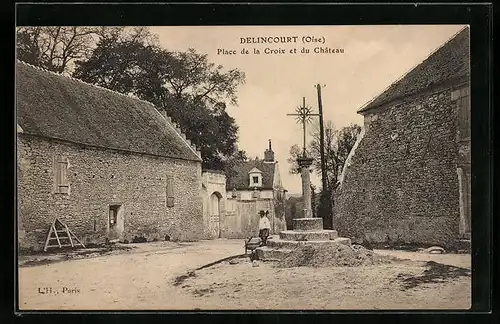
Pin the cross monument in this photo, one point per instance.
(303, 115)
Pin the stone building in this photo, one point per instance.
(256, 186)
(108, 165)
(407, 179)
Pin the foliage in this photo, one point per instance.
(231, 163)
(293, 209)
(193, 91)
(337, 145)
(55, 48)
(294, 153)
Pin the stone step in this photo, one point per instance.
(281, 244)
(315, 235)
(277, 250)
(307, 224)
(266, 253)
(343, 240)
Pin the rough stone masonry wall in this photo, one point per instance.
(100, 177)
(402, 183)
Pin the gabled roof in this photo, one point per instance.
(241, 179)
(54, 106)
(255, 170)
(449, 63)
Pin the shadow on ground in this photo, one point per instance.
(435, 273)
(33, 260)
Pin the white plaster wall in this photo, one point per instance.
(213, 182)
(248, 194)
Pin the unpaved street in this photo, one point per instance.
(145, 276)
(137, 279)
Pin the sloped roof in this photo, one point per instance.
(450, 62)
(241, 179)
(55, 106)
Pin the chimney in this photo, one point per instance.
(269, 154)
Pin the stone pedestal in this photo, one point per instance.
(307, 230)
(307, 224)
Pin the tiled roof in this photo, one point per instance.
(52, 105)
(449, 63)
(241, 179)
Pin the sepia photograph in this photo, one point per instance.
(323, 167)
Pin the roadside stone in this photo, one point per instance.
(435, 250)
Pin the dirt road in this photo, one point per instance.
(137, 279)
(144, 277)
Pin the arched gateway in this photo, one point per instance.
(215, 212)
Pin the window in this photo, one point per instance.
(113, 215)
(170, 191)
(61, 178)
(255, 180)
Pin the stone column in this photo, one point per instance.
(305, 163)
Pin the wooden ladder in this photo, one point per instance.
(64, 237)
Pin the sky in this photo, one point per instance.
(373, 58)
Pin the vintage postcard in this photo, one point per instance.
(243, 167)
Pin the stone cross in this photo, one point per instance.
(303, 115)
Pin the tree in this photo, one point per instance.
(193, 91)
(338, 145)
(294, 153)
(232, 162)
(55, 48)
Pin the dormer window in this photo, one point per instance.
(255, 177)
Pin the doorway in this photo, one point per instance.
(214, 219)
(115, 222)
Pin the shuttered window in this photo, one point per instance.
(170, 191)
(61, 175)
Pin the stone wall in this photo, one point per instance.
(241, 219)
(401, 184)
(214, 183)
(98, 178)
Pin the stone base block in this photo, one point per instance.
(279, 249)
(308, 224)
(286, 244)
(333, 234)
(343, 240)
(266, 253)
(321, 235)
